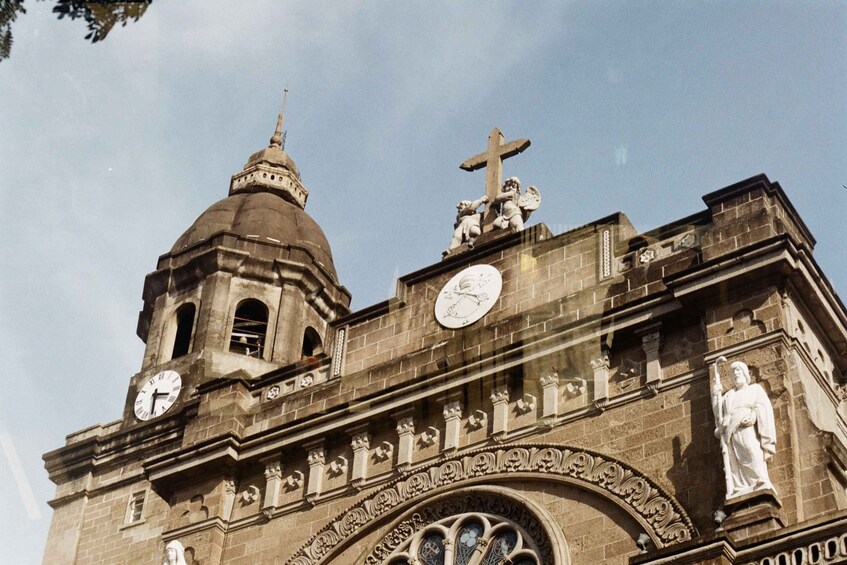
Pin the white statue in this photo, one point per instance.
(745, 426)
(467, 227)
(515, 208)
(174, 554)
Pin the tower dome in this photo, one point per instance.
(250, 285)
(260, 216)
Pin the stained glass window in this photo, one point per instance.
(501, 546)
(431, 551)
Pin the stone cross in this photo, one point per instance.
(492, 160)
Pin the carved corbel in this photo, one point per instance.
(405, 442)
(600, 366)
(550, 395)
(500, 401)
(360, 443)
(317, 462)
(452, 425)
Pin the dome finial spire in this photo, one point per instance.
(278, 138)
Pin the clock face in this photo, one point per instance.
(157, 395)
(468, 296)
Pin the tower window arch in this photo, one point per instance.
(184, 329)
(312, 343)
(249, 329)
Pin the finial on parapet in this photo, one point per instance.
(278, 138)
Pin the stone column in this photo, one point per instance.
(317, 462)
(273, 484)
(452, 425)
(406, 442)
(361, 445)
(550, 400)
(500, 400)
(650, 343)
(600, 366)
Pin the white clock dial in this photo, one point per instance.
(157, 395)
(468, 296)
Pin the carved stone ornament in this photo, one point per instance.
(477, 420)
(527, 404)
(361, 441)
(746, 429)
(662, 517)
(384, 451)
(273, 392)
(548, 380)
(229, 486)
(338, 466)
(317, 456)
(468, 296)
(250, 495)
(430, 436)
(273, 471)
(306, 380)
(294, 480)
(646, 256)
(452, 410)
(575, 387)
(406, 425)
(500, 394)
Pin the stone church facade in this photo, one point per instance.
(563, 416)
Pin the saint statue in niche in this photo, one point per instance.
(466, 229)
(745, 426)
(515, 207)
(174, 554)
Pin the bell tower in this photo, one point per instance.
(249, 287)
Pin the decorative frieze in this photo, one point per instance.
(657, 510)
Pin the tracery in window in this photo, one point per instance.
(468, 539)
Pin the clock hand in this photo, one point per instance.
(153, 401)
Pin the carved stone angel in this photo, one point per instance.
(515, 207)
(466, 229)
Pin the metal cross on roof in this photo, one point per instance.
(492, 160)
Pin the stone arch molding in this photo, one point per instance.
(662, 517)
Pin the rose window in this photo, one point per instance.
(468, 539)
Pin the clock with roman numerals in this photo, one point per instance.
(157, 395)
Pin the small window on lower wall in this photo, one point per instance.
(135, 508)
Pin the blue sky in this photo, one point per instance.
(109, 151)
